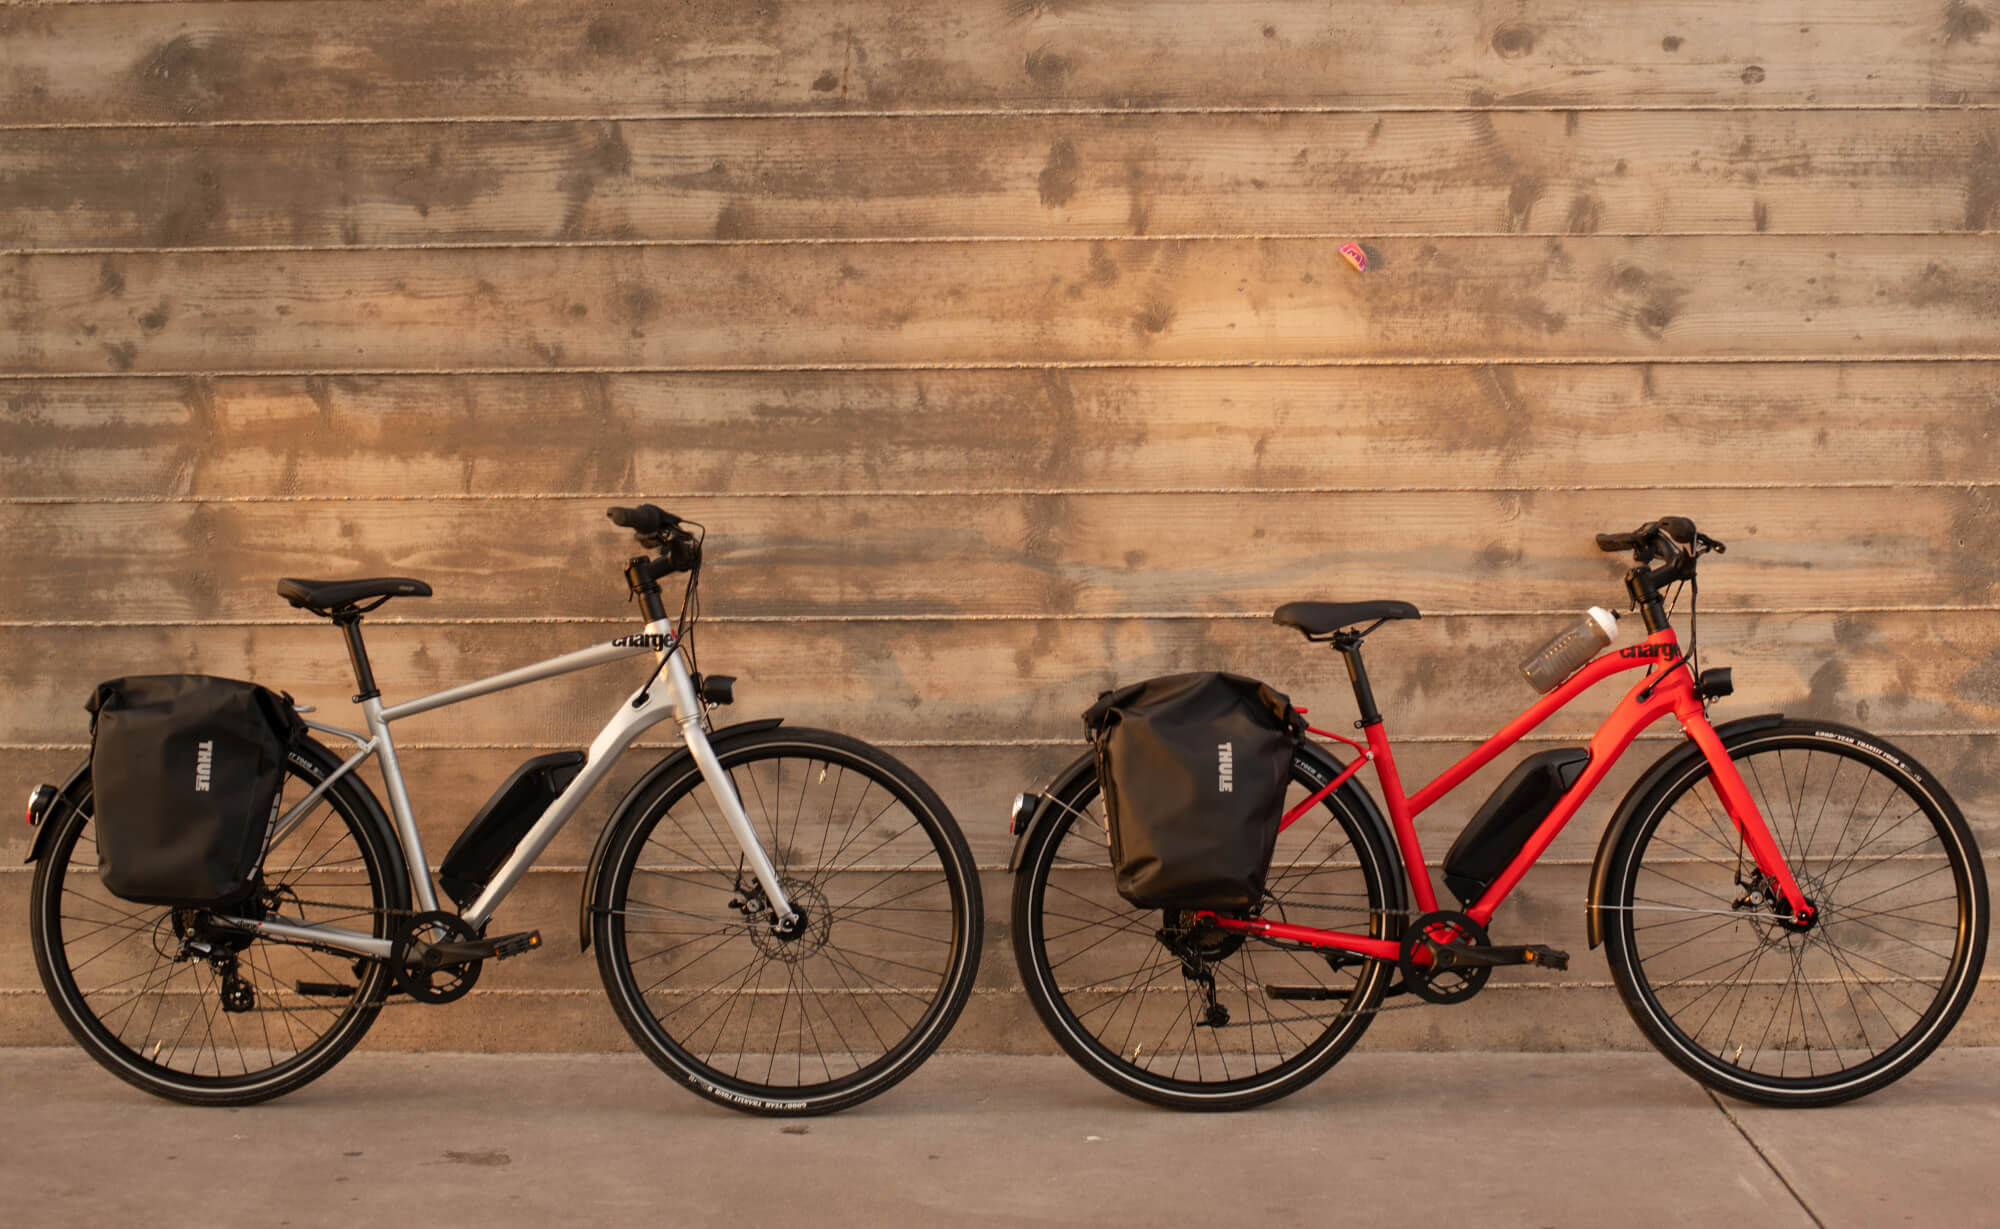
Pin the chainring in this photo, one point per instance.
(416, 973)
(1439, 934)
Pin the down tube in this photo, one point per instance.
(1625, 723)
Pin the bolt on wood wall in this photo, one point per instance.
(1006, 351)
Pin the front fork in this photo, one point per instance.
(1749, 821)
(688, 711)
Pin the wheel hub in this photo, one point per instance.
(810, 927)
(1198, 941)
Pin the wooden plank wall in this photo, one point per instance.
(1006, 351)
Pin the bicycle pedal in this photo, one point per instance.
(1307, 994)
(325, 990)
(464, 951)
(514, 945)
(1536, 953)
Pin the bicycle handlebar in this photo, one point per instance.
(658, 529)
(1673, 538)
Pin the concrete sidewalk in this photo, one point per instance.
(1385, 1138)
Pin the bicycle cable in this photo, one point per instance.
(684, 625)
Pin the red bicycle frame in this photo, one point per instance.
(1663, 691)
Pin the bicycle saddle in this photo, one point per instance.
(324, 595)
(1322, 618)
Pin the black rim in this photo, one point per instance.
(825, 1010)
(1133, 987)
(134, 978)
(1758, 1000)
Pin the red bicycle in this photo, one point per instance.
(1794, 912)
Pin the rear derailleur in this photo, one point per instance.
(1198, 946)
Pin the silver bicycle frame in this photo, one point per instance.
(641, 710)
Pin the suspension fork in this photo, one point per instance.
(1743, 812)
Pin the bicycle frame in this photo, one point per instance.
(640, 711)
(1663, 691)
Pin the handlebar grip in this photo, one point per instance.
(1617, 543)
(643, 519)
(1679, 528)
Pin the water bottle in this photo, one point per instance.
(1572, 647)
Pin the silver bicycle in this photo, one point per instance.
(787, 920)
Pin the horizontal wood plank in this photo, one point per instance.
(1015, 555)
(324, 59)
(957, 431)
(1139, 301)
(1617, 172)
(1451, 678)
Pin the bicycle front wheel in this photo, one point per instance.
(1176, 1014)
(194, 1012)
(1738, 997)
(852, 1001)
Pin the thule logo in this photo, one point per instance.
(1225, 767)
(204, 755)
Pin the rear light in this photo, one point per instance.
(39, 800)
(1022, 810)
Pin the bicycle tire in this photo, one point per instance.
(1094, 965)
(878, 867)
(343, 870)
(1759, 1010)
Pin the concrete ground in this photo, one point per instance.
(1385, 1138)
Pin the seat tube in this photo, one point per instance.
(399, 805)
(1400, 818)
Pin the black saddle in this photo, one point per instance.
(327, 596)
(1325, 618)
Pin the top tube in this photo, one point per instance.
(582, 659)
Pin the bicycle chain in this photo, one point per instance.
(394, 997)
(1380, 1007)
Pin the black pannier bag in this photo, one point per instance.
(1193, 769)
(186, 772)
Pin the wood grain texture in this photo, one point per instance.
(665, 436)
(1617, 172)
(1014, 555)
(324, 59)
(1141, 301)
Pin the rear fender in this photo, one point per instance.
(1045, 804)
(69, 795)
(635, 797)
(1635, 799)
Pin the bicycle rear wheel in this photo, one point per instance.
(1750, 1005)
(196, 1013)
(860, 995)
(1166, 1012)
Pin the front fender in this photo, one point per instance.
(1636, 797)
(676, 763)
(1322, 762)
